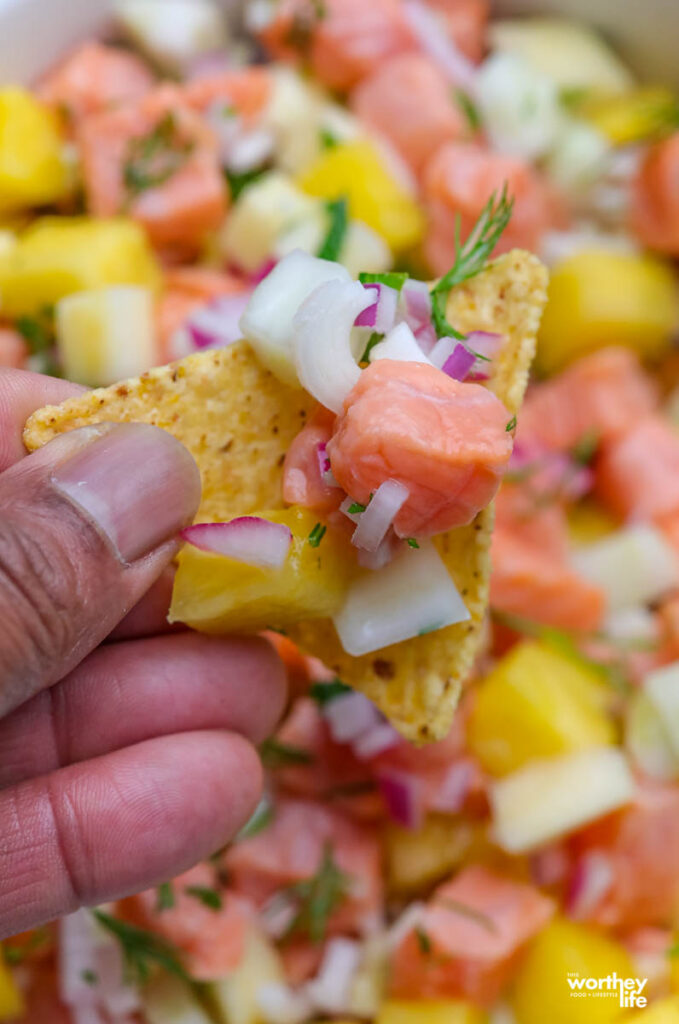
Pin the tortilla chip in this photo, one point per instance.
(238, 421)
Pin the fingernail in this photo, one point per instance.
(137, 483)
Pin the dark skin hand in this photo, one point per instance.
(127, 751)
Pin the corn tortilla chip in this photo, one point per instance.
(238, 422)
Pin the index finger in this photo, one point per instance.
(21, 393)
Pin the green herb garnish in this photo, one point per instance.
(153, 159)
(468, 108)
(412, 543)
(356, 508)
(275, 754)
(673, 950)
(210, 898)
(423, 941)
(328, 138)
(373, 340)
(470, 257)
(324, 693)
(261, 819)
(141, 949)
(317, 535)
(15, 955)
(89, 977)
(584, 451)
(338, 216)
(240, 180)
(164, 897)
(511, 425)
(316, 899)
(391, 278)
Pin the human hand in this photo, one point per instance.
(122, 762)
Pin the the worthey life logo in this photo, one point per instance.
(629, 991)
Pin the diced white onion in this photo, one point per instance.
(322, 327)
(403, 925)
(578, 155)
(268, 320)
(278, 1003)
(411, 595)
(349, 716)
(248, 539)
(442, 351)
(400, 344)
(330, 990)
(384, 506)
(633, 566)
(173, 32)
(591, 882)
(662, 687)
(519, 106)
(648, 740)
(631, 625)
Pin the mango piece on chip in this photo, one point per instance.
(238, 421)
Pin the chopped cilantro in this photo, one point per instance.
(584, 451)
(239, 181)
(37, 331)
(141, 949)
(164, 897)
(470, 257)
(573, 97)
(153, 159)
(412, 543)
(261, 819)
(511, 425)
(210, 898)
(317, 535)
(89, 977)
(356, 508)
(275, 754)
(316, 898)
(468, 108)
(328, 138)
(373, 340)
(423, 941)
(391, 278)
(324, 693)
(673, 950)
(338, 216)
(15, 955)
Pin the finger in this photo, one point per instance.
(129, 692)
(124, 822)
(149, 616)
(86, 526)
(21, 393)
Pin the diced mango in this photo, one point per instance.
(106, 335)
(11, 999)
(168, 1000)
(60, 255)
(357, 171)
(633, 116)
(599, 298)
(215, 594)
(588, 523)
(565, 952)
(536, 703)
(419, 858)
(666, 1011)
(32, 168)
(235, 997)
(438, 1011)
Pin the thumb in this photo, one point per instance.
(86, 526)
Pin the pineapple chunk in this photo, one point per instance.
(167, 1000)
(214, 594)
(547, 799)
(106, 335)
(236, 996)
(32, 168)
(263, 212)
(662, 687)
(541, 990)
(588, 522)
(417, 859)
(357, 171)
(57, 256)
(536, 703)
(632, 117)
(174, 32)
(647, 739)
(666, 1011)
(438, 1011)
(11, 1000)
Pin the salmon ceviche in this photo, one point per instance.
(323, 178)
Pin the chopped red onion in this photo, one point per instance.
(430, 32)
(402, 793)
(263, 271)
(550, 865)
(375, 741)
(591, 881)
(379, 515)
(381, 556)
(459, 364)
(248, 539)
(84, 947)
(454, 789)
(349, 716)
(416, 303)
(323, 458)
(217, 325)
(381, 314)
(277, 915)
(442, 351)
(426, 338)
(485, 343)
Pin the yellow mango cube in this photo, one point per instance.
(588, 523)
(357, 171)
(633, 116)
(599, 298)
(57, 256)
(32, 167)
(216, 594)
(665, 1011)
(11, 999)
(418, 858)
(439, 1011)
(236, 996)
(536, 703)
(567, 952)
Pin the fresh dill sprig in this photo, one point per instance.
(338, 223)
(324, 693)
(141, 949)
(164, 897)
(275, 754)
(210, 898)
(316, 898)
(470, 257)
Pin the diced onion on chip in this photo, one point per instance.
(381, 313)
(386, 503)
(412, 595)
(400, 344)
(402, 793)
(248, 539)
